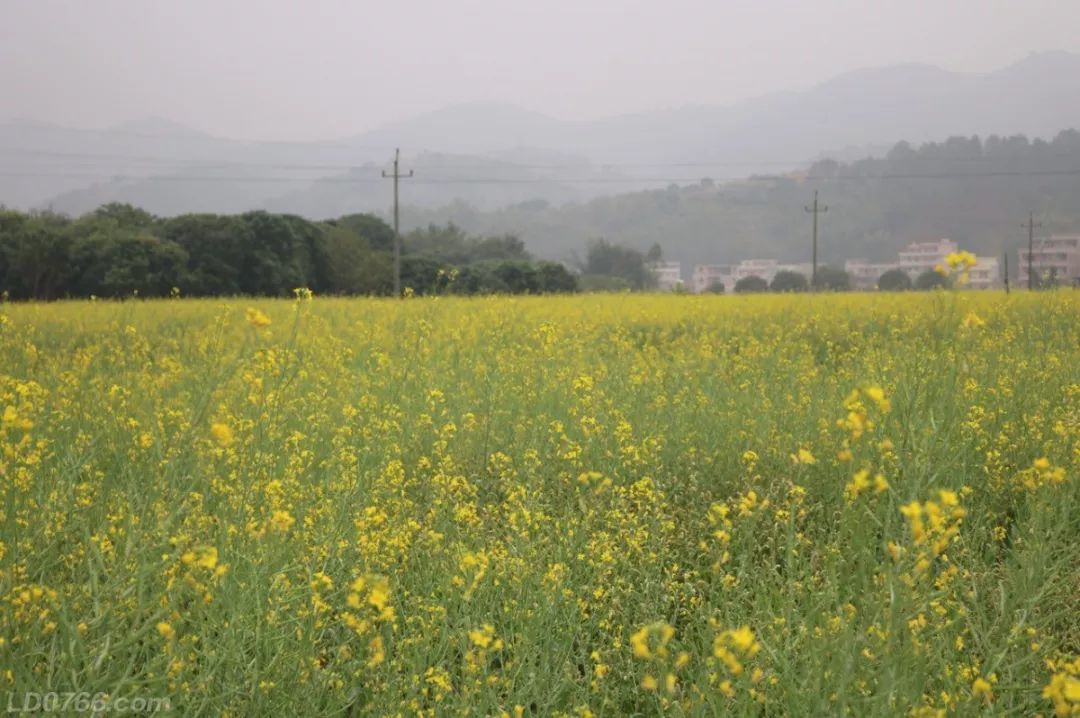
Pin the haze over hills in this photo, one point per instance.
(488, 154)
(916, 103)
(485, 181)
(976, 191)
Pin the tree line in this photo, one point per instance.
(835, 279)
(122, 251)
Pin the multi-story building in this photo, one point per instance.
(919, 257)
(668, 275)
(864, 274)
(1058, 254)
(764, 268)
(707, 275)
(805, 269)
(1055, 258)
(767, 269)
(985, 274)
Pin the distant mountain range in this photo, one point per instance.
(490, 155)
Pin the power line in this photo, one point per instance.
(351, 180)
(545, 180)
(495, 164)
(100, 158)
(194, 136)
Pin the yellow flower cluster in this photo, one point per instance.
(1042, 473)
(733, 646)
(256, 318)
(933, 525)
(1063, 690)
(958, 263)
(650, 644)
(566, 506)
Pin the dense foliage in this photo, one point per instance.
(121, 251)
(832, 279)
(751, 284)
(894, 280)
(788, 281)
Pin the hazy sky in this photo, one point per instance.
(310, 69)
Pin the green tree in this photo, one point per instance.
(34, 255)
(125, 215)
(507, 247)
(450, 244)
(788, 281)
(518, 277)
(475, 279)
(931, 280)
(445, 244)
(751, 284)
(216, 246)
(832, 279)
(379, 235)
(603, 258)
(125, 262)
(423, 275)
(277, 256)
(351, 265)
(554, 278)
(894, 280)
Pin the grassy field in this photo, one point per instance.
(860, 505)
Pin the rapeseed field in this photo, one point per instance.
(861, 505)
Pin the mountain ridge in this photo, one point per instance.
(48, 165)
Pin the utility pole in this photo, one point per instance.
(815, 210)
(397, 232)
(1030, 227)
(1006, 258)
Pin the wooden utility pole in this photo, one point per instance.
(1006, 258)
(1030, 227)
(815, 210)
(397, 231)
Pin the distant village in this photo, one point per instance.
(1054, 259)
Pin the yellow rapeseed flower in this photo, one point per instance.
(222, 434)
(281, 521)
(981, 688)
(256, 318)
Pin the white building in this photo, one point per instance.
(1056, 257)
(764, 268)
(985, 274)
(707, 275)
(767, 269)
(668, 275)
(805, 269)
(864, 274)
(920, 257)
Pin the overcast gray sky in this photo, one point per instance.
(313, 69)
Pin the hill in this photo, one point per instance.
(73, 169)
(974, 191)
